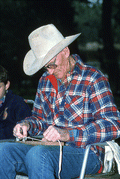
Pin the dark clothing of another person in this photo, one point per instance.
(12, 110)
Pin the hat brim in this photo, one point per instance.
(31, 65)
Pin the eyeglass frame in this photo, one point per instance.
(52, 65)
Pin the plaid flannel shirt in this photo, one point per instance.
(83, 104)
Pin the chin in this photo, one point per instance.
(58, 77)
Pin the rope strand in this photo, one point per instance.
(60, 159)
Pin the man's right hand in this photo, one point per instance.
(20, 130)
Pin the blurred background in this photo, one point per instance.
(99, 44)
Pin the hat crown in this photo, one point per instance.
(45, 42)
(43, 39)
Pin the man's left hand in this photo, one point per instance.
(54, 134)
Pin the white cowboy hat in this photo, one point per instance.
(45, 42)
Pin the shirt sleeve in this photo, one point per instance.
(106, 123)
(37, 120)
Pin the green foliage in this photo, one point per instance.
(88, 21)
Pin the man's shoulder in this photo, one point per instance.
(90, 73)
(94, 74)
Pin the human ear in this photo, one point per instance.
(7, 85)
(66, 51)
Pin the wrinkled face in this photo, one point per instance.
(59, 65)
(3, 88)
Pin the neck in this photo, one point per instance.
(71, 63)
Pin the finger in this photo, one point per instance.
(53, 135)
(44, 140)
(24, 131)
(47, 131)
(20, 131)
(19, 134)
(15, 130)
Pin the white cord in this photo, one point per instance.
(60, 159)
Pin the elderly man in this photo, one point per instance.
(73, 104)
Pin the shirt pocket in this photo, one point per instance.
(74, 108)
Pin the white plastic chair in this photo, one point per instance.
(82, 172)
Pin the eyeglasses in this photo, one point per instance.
(52, 65)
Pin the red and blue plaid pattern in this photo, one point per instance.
(83, 104)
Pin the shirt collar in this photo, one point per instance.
(76, 70)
